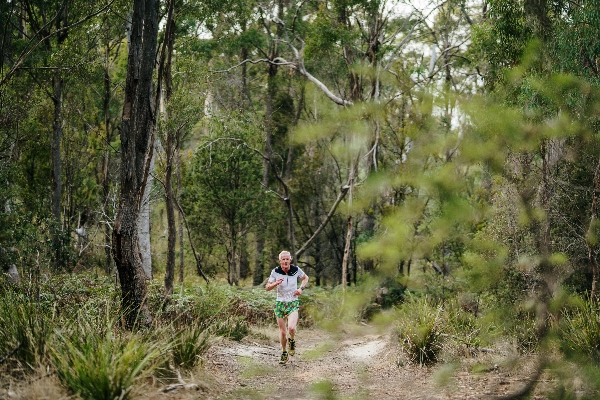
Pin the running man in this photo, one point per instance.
(285, 279)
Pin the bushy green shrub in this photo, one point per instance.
(257, 305)
(96, 363)
(519, 325)
(25, 329)
(419, 329)
(580, 331)
(235, 328)
(391, 293)
(189, 346)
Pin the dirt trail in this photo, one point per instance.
(351, 363)
(361, 364)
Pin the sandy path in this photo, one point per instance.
(344, 365)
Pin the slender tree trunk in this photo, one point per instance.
(592, 232)
(171, 229)
(105, 162)
(61, 22)
(346, 255)
(57, 126)
(288, 202)
(259, 266)
(269, 101)
(56, 137)
(165, 74)
(144, 225)
(179, 213)
(137, 138)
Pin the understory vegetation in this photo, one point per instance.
(72, 326)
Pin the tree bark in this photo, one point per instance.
(57, 169)
(180, 219)
(144, 226)
(137, 137)
(593, 232)
(346, 255)
(165, 75)
(105, 160)
(56, 136)
(259, 266)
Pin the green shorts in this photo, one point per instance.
(284, 308)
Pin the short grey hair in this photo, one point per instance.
(285, 252)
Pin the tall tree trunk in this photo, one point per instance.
(179, 213)
(137, 138)
(56, 136)
(348, 234)
(259, 266)
(105, 161)
(57, 126)
(346, 254)
(61, 24)
(592, 234)
(288, 202)
(171, 228)
(165, 75)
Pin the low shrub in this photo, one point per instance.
(235, 328)
(94, 362)
(189, 346)
(580, 331)
(25, 329)
(419, 329)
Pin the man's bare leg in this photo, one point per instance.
(292, 322)
(282, 333)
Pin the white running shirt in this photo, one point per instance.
(285, 291)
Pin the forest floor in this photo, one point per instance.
(353, 363)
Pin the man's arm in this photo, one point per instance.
(271, 285)
(304, 281)
(299, 291)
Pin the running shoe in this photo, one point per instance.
(292, 346)
(284, 357)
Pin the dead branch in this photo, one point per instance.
(340, 197)
(297, 65)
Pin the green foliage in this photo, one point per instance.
(464, 324)
(222, 196)
(393, 293)
(324, 390)
(217, 309)
(96, 360)
(419, 329)
(235, 328)
(328, 308)
(190, 344)
(25, 329)
(579, 331)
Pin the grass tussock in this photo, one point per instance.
(190, 346)
(97, 360)
(419, 329)
(25, 329)
(580, 331)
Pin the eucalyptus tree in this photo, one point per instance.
(224, 195)
(575, 51)
(47, 48)
(55, 37)
(137, 144)
(112, 34)
(535, 134)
